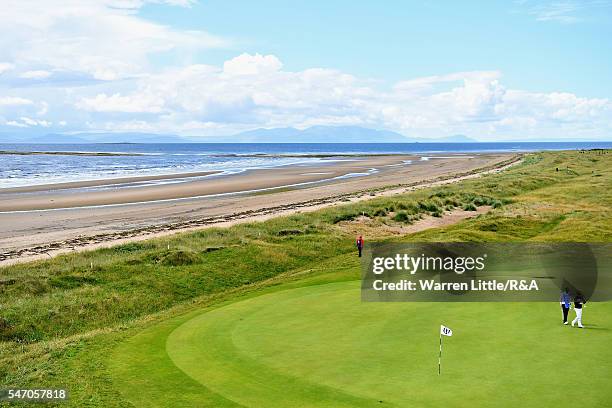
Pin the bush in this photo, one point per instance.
(178, 257)
(451, 202)
(401, 217)
(285, 232)
(429, 206)
(131, 247)
(212, 249)
(497, 204)
(410, 207)
(441, 194)
(344, 217)
(381, 212)
(480, 201)
(470, 207)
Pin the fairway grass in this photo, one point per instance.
(320, 346)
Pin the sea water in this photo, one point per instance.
(159, 159)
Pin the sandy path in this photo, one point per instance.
(39, 235)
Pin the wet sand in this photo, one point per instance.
(28, 235)
(74, 195)
(103, 182)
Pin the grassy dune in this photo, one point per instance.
(60, 319)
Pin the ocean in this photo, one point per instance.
(157, 159)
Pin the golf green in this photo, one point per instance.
(321, 346)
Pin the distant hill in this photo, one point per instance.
(55, 139)
(129, 138)
(335, 134)
(314, 134)
(318, 134)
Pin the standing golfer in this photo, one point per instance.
(360, 244)
(565, 304)
(579, 302)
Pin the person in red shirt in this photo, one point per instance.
(360, 244)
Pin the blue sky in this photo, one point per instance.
(523, 70)
(395, 40)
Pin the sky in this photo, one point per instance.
(498, 70)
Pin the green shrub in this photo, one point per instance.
(177, 257)
(470, 207)
(131, 247)
(344, 217)
(429, 206)
(401, 217)
(441, 194)
(381, 212)
(285, 232)
(212, 249)
(451, 202)
(479, 201)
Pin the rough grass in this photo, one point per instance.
(60, 315)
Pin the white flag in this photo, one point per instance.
(445, 331)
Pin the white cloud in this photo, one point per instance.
(562, 11)
(126, 104)
(14, 101)
(14, 123)
(254, 91)
(247, 64)
(25, 122)
(102, 38)
(5, 66)
(36, 74)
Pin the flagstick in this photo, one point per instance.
(440, 355)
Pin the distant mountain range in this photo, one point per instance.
(335, 134)
(314, 134)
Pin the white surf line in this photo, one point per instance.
(299, 162)
(427, 158)
(167, 200)
(160, 182)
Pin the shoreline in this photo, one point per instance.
(105, 182)
(70, 195)
(84, 243)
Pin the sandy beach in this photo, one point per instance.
(46, 220)
(73, 195)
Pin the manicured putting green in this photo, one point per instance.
(321, 346)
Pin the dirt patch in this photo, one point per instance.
(373, 228)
